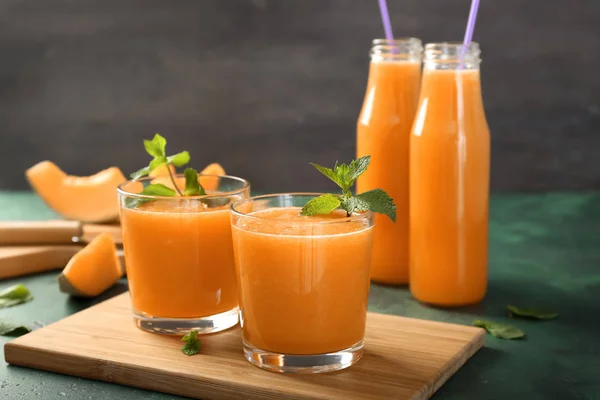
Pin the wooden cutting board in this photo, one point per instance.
(404, 358)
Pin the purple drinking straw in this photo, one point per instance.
(470, 26)
(385, 17)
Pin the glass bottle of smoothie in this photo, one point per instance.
(449, 180)
(383, 131)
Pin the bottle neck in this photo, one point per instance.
(403, 49)
(452, 56)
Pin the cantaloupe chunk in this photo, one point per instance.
(94, 269)
(161, 170)
(89, 199)
(209, 183)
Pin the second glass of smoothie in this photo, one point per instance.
(179, 256)
(303, 283)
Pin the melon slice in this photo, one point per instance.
(209, 183)
(94, 269)
(89, 199)
(161, 170)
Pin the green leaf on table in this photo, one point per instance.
(323, 204)
(192, 185)
(11, 329)
(192, 345)
(499, 330)
(533, 313)
(14, 295)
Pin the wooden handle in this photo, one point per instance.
(24, 260)
(38, 232)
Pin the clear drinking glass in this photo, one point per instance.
(179, 256)
(303, 283)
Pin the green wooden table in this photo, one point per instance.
(544, 251)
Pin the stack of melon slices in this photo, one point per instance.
(93, 199)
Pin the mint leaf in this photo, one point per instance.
(321, 205)
(179, 159)
(192, 186)
(14, 295)
(158, 189)
(11, 329)
(328, 172)
(376, 200)
(156, 147)
(139, 173)
(533, 313)
(498, 330)
(358, 167)
(192, 345)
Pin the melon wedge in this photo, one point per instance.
(94, 269)
(209, 183)
(89, 199)
(161, 170)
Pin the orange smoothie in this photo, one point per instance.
(303, 281)
(179, 259)
(449, 185)
(383, 132)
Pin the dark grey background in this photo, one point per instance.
(265, 86)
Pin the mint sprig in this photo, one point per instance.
(192, 344)
(157, 149)
(344, 175)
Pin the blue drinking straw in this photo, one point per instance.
(470, 25)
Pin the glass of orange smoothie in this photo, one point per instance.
(303, 283)
(179, 256)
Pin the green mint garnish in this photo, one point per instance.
(192, 185)
(192, 345)
(498, 330)
(533, 313)
(344, 175)
(157, 149)
(11, 329)
(14, 295)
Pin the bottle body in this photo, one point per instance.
(449, 184)
(383, 131)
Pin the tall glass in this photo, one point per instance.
(383, 131)
(179, 256)
(449, 180)
(303, 283)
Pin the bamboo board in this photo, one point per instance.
(404, 359)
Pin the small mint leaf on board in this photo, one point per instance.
(11, 329)
(323, 204)
(499, 330)
(192, 345)
(156, 147)
(179, 159)
(14, 295)
(328, 172)
(376, 200)
(532, 313)
(192, 186)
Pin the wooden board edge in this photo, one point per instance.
(454, 364)
(118, 373)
